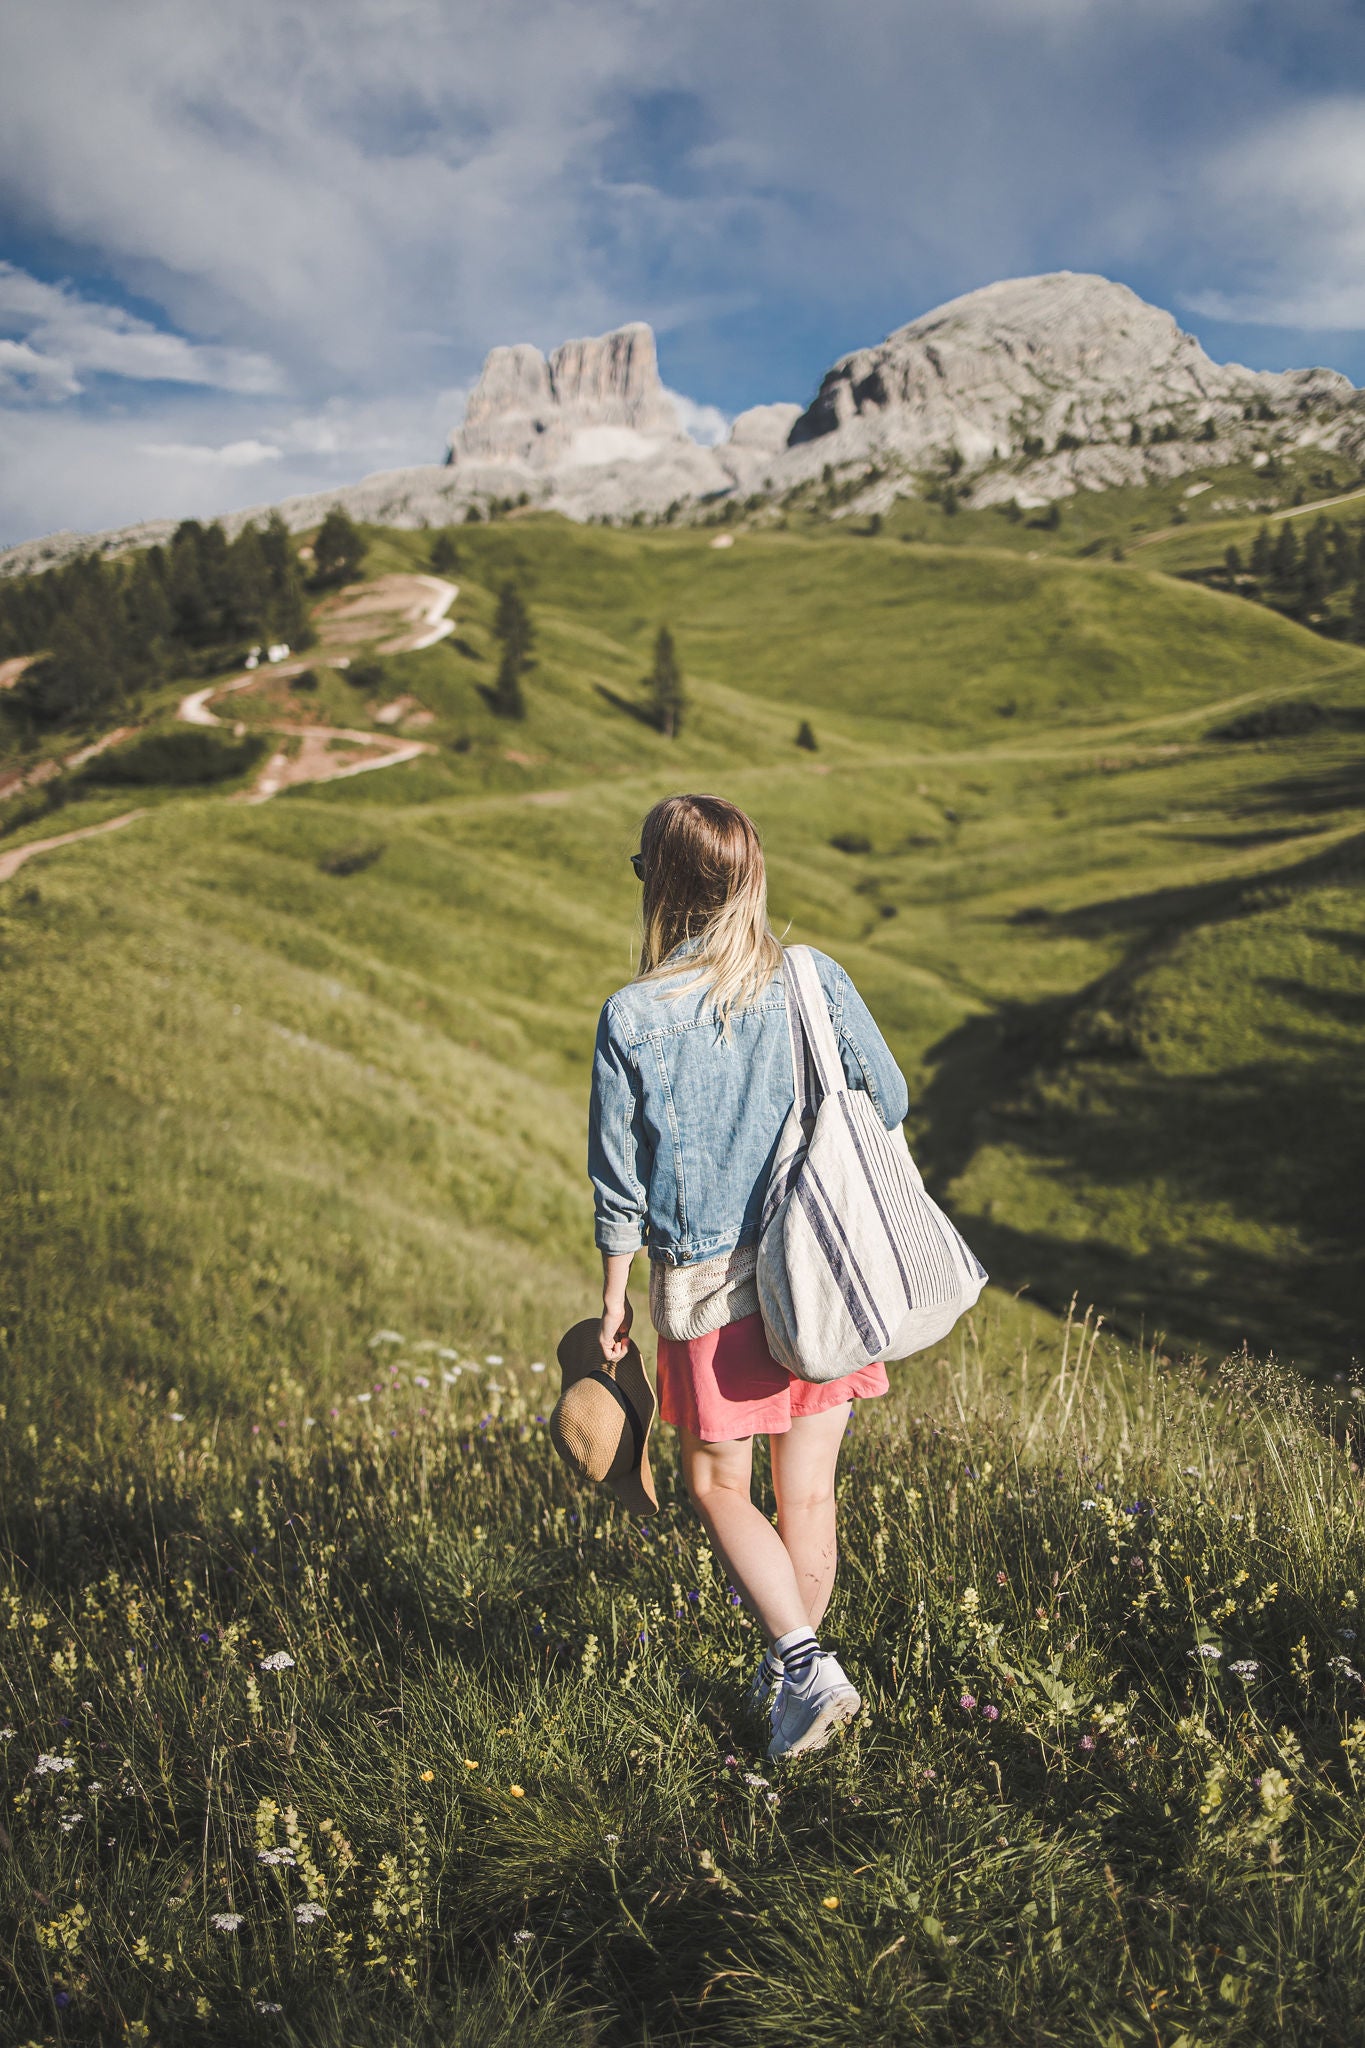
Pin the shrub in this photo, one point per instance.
(176, 758)
(351, 860)
(1273, 721)
(306, 679)
(851, 842)
(366, 675)
(805, 737)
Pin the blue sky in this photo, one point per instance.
(264, 248)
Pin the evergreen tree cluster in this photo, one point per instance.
(1303, 577)
(512, 629)
(109, 629)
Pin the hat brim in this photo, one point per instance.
(579, 1352)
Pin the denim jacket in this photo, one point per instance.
(684, 1123)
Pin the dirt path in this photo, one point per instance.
(12, 785)
(1240, 518)
(11, 862)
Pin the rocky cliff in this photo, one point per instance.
(1030, 389)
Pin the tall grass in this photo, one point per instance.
(464, 1745)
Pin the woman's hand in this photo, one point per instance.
(614, 1334)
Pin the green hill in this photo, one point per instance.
(330, 1710)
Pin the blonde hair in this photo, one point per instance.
(705, 880)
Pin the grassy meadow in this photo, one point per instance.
(292, 1208)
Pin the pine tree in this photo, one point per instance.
(667, 695)
(444, 555)
(512, 627)
(1284, 560)
(246, 585)
(1232, 562)
(1358, 610)
(805, 737)
(287, 618)
(1262, 554)
(339, 549)
(1313, 568)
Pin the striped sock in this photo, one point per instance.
(772, 1667)
(799, 1653)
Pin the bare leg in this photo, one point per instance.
(718, 1479)
(803, 1479)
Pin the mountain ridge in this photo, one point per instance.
(1029, 389)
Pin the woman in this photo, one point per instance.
(692, 1082)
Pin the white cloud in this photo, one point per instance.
(706, 424)
(1290, 197)
(65, 334)
(232, 455)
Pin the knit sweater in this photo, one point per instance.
(691, 1301)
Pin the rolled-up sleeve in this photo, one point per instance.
(868, 1060)
(618, 1149)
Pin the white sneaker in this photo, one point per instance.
(805, 1717)
(763, 1686)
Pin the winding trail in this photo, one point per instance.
(11, 862)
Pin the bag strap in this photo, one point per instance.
(816, 1066)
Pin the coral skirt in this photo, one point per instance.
(728, 1384)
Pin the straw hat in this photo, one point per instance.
(602, 1419)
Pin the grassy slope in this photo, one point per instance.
(257, 1111)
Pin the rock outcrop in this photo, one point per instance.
(1030, 389)
(1039, 368)
(527, 408)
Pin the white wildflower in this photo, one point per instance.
(444, 1351)
(611, 1840)
(492, 1358)
(226, 1923)
(275, 1857)
(1087, 1503)
(419, 1379)
(278, 1660)
(364, 1397)
(268, 2005)
(538, 1365)
(1190, 1471)
(385, 1337)
(523, 1934)
(1209, 1651)
(46, 1764)
(752, 1778)
(95, 1785)
(176, 1416)
(1343, 1668)
(71, 1820)
(451, 1376)
(309, 1912)
(8, 1734)
(1245, 1667)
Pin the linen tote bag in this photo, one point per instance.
(856, 1261)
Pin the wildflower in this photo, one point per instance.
(71, 1820)
(771, 1798)
(990, 1713)
(47, 1764)
(1087, 1742)
(275, 1857)
(1210, 1652)
(517, 1791)
(731, 1763)
(364, 1397)
(268, 2005)
(493, 1358)
(1002, 1578)
(8, 1734)
(176, 1416)
(1087, 1503)
(309, 1912)
(95, 1785)
(538, 1366)
(752, 1778)
(1343, 1668)
(419, 1379)
(384, 1337)
(967, 1702)
(1348, 1635)
(427, 1777)
(1244, 1667)
(523, 1934)
(278, 1660)
(1191, 1471)
(830, 1902)
(226, 1923)
(471, 1763)
(611, 1840)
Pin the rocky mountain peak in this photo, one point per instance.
(532, 409)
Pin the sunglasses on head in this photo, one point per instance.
(637, 861)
